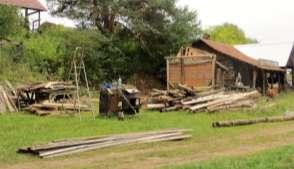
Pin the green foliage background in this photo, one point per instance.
(228, 33)
(120, 39)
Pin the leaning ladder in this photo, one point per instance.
(78, 67)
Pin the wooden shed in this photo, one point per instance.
(209, 64)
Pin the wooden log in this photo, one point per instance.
(6, 100)
(162, 92)
(203, 99)
(177, 93)
(227, 98)
(186, 89)
(155, 106)
(172, 108)
(11, 88)
(210, 92)
(202, 89)
(234, 123)
(2, 105)
(242, 104)
(162, 99)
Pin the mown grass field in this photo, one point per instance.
(20, 129)
(281, 158)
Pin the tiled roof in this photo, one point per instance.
(30, 4)
(234, 53)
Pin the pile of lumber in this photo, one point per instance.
(71, 146)
(233, 123)
(210, 101)
(48, 86)
(49, 97)
(7, 99)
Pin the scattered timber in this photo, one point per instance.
(185, 98)
(234, 123)
(48, 98)
(71, 146)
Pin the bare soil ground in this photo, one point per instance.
(151, 156)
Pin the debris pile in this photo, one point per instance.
(71, 146)
(50, 97)
(184, 98)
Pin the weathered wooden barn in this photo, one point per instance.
(208, 64)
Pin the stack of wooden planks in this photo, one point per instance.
(71, 146)
(210, 101)
(7, 100)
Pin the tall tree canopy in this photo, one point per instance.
(228, 33)
(139, 33)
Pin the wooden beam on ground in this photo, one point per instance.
(234, 123)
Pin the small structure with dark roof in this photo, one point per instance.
(30, 7)
(209, 64)
(281, 52)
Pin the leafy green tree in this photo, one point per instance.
(137, 34)
(11, 22)
(228, 33)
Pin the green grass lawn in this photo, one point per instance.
(281, 158)
(20, 129)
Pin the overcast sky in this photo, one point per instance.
(264, 20)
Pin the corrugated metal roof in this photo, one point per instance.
(231, 51)
(30, 4)
(279, 52)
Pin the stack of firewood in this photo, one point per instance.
(184, 98)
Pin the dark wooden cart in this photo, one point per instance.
(118, 101)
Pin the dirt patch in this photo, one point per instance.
(170, 153)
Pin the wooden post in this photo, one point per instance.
(272, 80)
(182, 71)
(292, 77)
(213, 70)
(39, 19)
(167, 74)
(27, 22)
(263, 82)
(254, 78)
